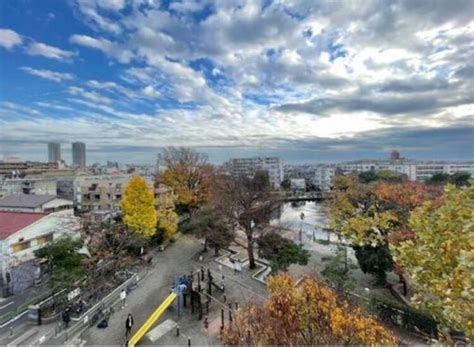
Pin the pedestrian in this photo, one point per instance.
(66, 317)
(128, 325)
(123, 297)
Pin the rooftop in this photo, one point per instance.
(12, 222)
(25, 200)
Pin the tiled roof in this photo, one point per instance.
(25, 200)
(11, 222)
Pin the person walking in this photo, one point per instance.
(66, 317)
(128, 325)
(123, 297)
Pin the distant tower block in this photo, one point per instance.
(395, 155)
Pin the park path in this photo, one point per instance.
(177, 259)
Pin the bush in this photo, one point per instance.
(405, 316)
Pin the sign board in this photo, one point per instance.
(73, 294)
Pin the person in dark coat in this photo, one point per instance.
(128, 324)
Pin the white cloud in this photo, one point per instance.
(89, 95)
(122, 54)
(48, 74)
(90, 9)
(9, 39)
(38, 48)
(151, 92)
(115, 5)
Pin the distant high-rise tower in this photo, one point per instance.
(395, 155)
(79, 154)
(54, 152)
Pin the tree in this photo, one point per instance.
(167, 216)
(207, 223)
(189, 175)
(64, 261)
(285, 184)
(138, 207)
(337, 272)
(247, 203)
(281, 252)
(460, 179)
(376, 261)
(440, 258)
(307, 314)
(438, 178)
(369, 214)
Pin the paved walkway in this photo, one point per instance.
(176, 260)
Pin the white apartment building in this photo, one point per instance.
(248, 166)
(414, 170)
(323, 177)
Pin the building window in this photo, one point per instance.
(44, 239)
(21, 246)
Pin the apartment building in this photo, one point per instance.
(323, 177)
(414, 170)
(248, 166)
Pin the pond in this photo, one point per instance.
(313, 224)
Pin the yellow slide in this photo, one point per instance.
(151, 320)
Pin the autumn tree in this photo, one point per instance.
(307, 314)
(167, 217)
(207, 223)
(189, 175)
(440, 258)
(281, 252)
(368, 214)
(247, 203)
(138, 207)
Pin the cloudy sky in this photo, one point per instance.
(307, 80)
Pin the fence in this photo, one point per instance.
(59, 335)
(23, 308)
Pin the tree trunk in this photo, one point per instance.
(205, 245)
(216, 251)
(252, 264)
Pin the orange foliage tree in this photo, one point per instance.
(307, 314)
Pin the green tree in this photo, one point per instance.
(64, 262)
(285, 184)
(209, 224)
(138, 207)
(440, 258)
(337, 270)
(460, 179)
(376, 261)
(438, 178)
(281, 252)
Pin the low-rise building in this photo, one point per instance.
(298, 184)
(28, 185)
(34, 203)
(21, 233)
(100, 192)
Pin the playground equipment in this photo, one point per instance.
(151, 320)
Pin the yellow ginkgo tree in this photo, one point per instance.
(138, 207)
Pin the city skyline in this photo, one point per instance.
(305, 83)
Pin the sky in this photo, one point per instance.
(309, 81)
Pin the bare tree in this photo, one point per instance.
(247, 204)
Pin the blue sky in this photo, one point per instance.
(309, 81)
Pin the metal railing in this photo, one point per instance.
(61, 335)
